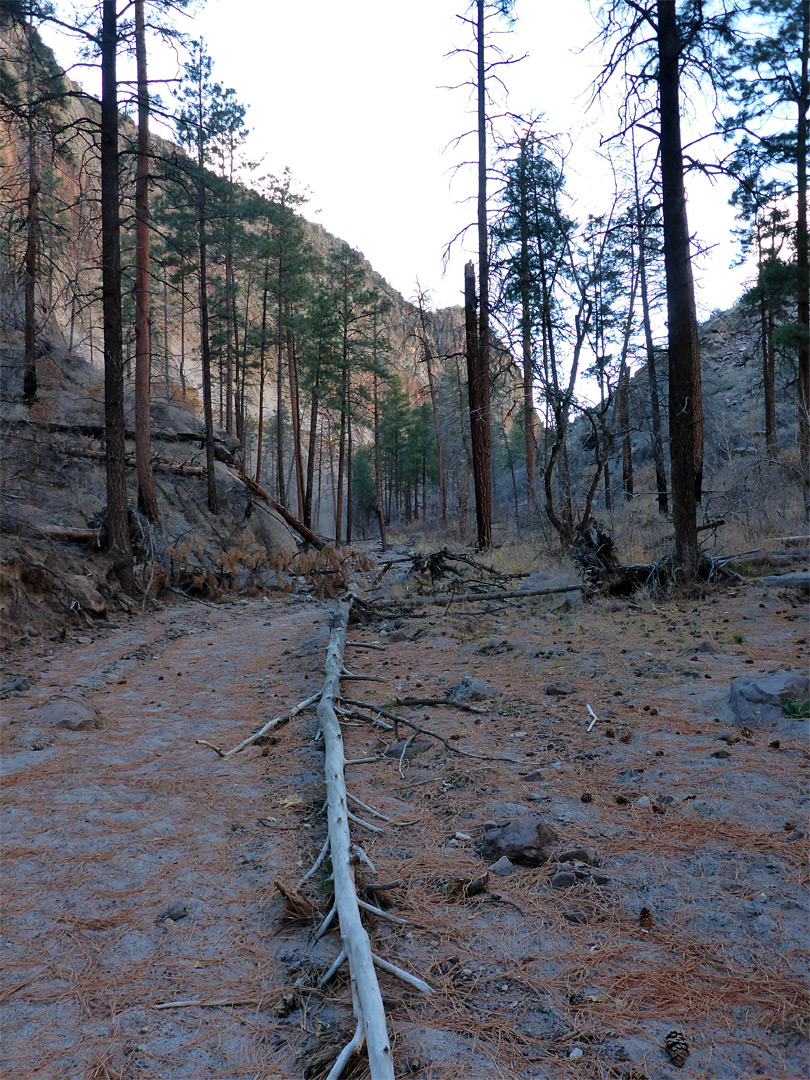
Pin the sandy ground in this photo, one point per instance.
(104, 829)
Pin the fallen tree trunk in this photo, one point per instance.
(282, 511)
(158, 464)
(503, 594)
(366, 996)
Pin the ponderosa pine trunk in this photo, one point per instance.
(768, 322)
(482, 440)
(685, 393)
(117, 519)
(147, 493)
(526, 338)
(295, 418)
(30, 380)
(378, 485)
(426, 355)
(803, 291)
(652, 375)
(479, 415)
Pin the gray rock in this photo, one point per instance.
(563, 879)
(411, 750)
(72, 713)
(559, 688)
(643, 803)
(706, 647)
(758, 702)
(578, 854)
(502, 868)
(177, 910)
(528, 841)
(471, 689)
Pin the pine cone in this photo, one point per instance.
(634, 1074)
(677, 1047)
(645, 919)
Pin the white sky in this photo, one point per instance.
(350, 96)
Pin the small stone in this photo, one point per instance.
(706, 647)
(608, 714)
(559, 688)
(527, 840)
(578, 854)
(502, 868)
(644, 803)
(586, 797)
(575, 1054)
(406, 749)
(721, 754)
(462, 836)
(177, 910)
(774, 744)
(563, 879)
(599, 879)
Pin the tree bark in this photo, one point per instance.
(147, 493)
(769, 379)
(426, 354)
(479, 423)
(378, 492)
(479, 387)
(803, 292)
(117, 521)
(32, 235)
(685, 393)
(526, 339)
(652, 377)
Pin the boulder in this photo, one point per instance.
(528, 841)
(83, 592)
(470, 689)
(758, 702)
(72, 713)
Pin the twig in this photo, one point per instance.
(380, 913)
(432, 734)
(327, 922)
(365, 806)
(411, 980)
(593, 714)
(327, 975)
(363, 824)
(216, 1003)
(415, 702)
(313, 869)
(275, 722)
(366, 645)
(350, 1048)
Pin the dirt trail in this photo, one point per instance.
(105, 828)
